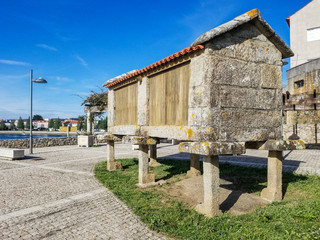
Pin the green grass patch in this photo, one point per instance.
(296, 217)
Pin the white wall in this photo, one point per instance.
(306, 18)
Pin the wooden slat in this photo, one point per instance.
(126, 102)
(169, 92)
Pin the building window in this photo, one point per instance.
(299, 84)
(313, 34)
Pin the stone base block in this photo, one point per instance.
(154, 163)
(85, 141)
(212, 148)
(148, 180)
(193, 173)
(111, 166)
(206, 210)
(161, 182)
(271, 195)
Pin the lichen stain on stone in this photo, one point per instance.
(189, 132)
(253, 13)
(302, 143)
(149, 141)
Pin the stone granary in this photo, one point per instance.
(219, 96)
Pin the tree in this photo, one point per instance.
(103, 124)
(51, 123)
(28, 123)
(100, 100)
(12, 125)
(80, 122)
(57, 124)
(37, 117)
(85, 125)
(3, 126)
(20, 124)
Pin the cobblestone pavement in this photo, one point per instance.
(53, 194)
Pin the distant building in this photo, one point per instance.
(305, 33)
(301, 95)
(69, 122)
(40, 124)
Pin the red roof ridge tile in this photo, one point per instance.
(158, 63)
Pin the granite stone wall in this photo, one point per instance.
(38, 142)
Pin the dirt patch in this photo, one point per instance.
(233, 201)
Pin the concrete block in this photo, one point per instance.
(11, 153)
(85, 141)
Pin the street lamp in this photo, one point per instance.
(37, 80)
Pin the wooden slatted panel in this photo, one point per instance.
(169, 92)
(126, 102)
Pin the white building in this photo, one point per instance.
(305, 33)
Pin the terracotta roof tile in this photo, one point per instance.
(156, 64)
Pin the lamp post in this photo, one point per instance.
(37, 80)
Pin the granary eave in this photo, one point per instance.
(134, 74)
(253, 16)
(118, 77)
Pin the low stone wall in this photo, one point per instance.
(309, 133)
(38, 142)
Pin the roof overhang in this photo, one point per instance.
(253, 16)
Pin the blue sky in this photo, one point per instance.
(76, 45)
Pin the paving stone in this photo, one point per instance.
(58, 197)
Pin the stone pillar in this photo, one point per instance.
(89, 124)
(194, 165)
(111, 109)
(144, 176)
(274, 190)
(153, 156)
(210, 205)
(111, 163)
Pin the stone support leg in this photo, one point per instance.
(144, 176)
(111, 164)
(194, 165)
(274, 190)
(153, 156)
(210, 205)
